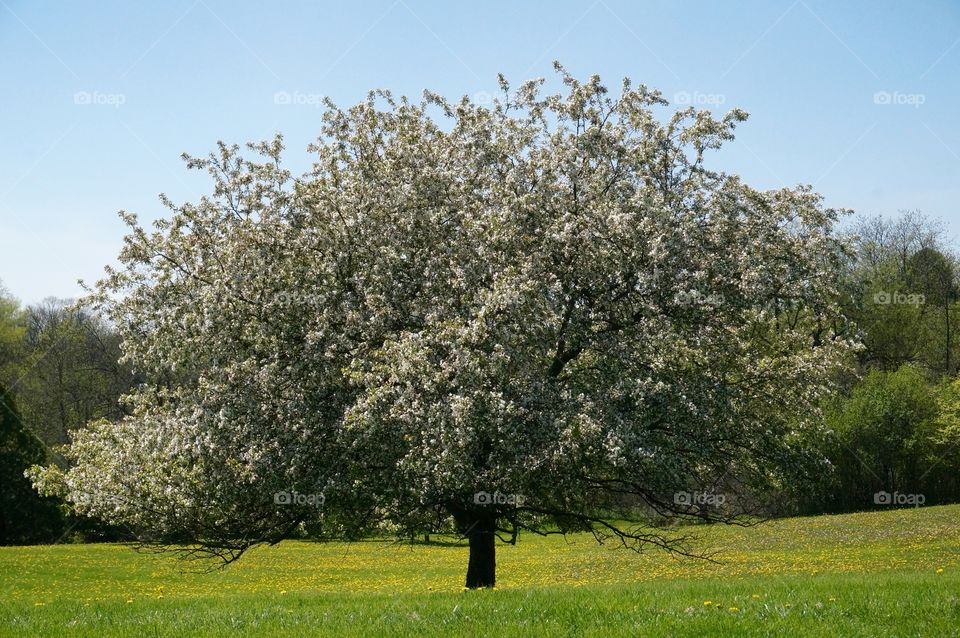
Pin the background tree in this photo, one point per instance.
(884, 434)
(900, 292)
(933, 274)
(25, 517)
(12, 331)
(943, 456)
(551, 301)
(71, 373)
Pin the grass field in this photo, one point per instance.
(892, 573)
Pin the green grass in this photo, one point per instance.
(892, 573)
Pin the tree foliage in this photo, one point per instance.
(894, 433)
(25, 517)
(551, 300)
(900, 293)
(12, 331)
(70, 371)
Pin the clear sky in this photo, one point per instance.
(859, 99)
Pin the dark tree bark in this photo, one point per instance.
(482, 569)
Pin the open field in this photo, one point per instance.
(893, 573)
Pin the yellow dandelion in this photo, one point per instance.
(734, 609)
(940, 570)
(129, 600)
(708, 602)
(756, 596)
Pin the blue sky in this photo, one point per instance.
(99, 99)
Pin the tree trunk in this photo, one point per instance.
(482, 570)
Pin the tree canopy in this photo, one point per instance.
(543, 314)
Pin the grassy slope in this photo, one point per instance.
(894, 573)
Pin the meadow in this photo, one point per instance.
(888, 573)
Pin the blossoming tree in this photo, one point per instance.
(543, 314)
